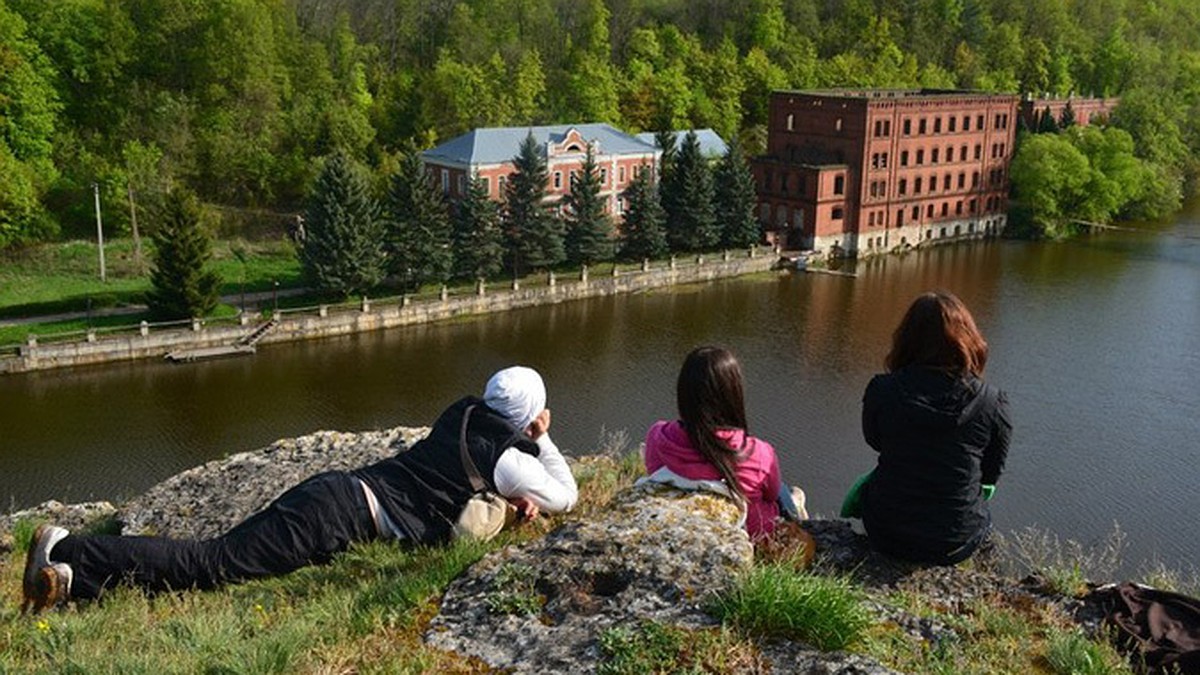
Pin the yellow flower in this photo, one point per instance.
(43, 626)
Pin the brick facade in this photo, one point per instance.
(1087, 110)
(867, 171)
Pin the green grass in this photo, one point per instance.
(62, 277)
(77, 328)
(1069, 652)
(650, 647)
(775, 600)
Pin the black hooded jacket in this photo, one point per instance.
(940, 436)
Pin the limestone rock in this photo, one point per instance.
(209, 499)
(657, 554)
(70, 516)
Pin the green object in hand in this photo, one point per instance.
(852, 505)
(988, 491)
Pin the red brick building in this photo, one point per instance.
(867, 171)
(1087, 110)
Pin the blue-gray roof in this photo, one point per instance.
(711, 144)
(500, 144)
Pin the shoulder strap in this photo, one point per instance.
(477, 482)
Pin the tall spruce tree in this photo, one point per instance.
(735, 200)
(691, 224)
(1067, 119)
(533, 235)
(478, 239)
(343, 245)
(418, 227)
(588, 226)
(1047, 123)
(642, 233)
(181, 287)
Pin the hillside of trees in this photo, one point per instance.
(239, 99)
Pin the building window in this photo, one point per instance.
(937, 125)
(836, 214)
(921, 126)
(903, 158)
(978, 151)
(875, 161)
(908, 127)
(953, 120)
(557, 180)
(950, 151)
(903, 185)
(916, 212)
(946, 182)
(929, 233)
(883, 161)
(501, 185)
(997, 121)
(445, 181)
(929, 211)
(979, 122)
(899, 217)
(933, 156)
(945, 209)
(874, 189)
(791, 122)
(962, 180)
(958, 208)
(972, 206)
(920, 156)
(887, 127)
(783, 182)
(941, 231)
(462, 184)
(837, 124)
(975, 179)
(883, 188)
(487, 185)
(962, 154)
(1003, 147)
(604, 176)
(871, 219)
(878, 128)
(839, 185)
(917, 186)
(620, 175)
(966, 122)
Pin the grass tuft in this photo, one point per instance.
(775, 600)
(1069, 652)
(1065, 566)
(651, 647)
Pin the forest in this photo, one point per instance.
(241, 101)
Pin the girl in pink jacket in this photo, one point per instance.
(710, 442)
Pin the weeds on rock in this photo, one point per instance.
(1070, 652)
(514, 591)
(775, 600)
(651, 647)
(1066, 567)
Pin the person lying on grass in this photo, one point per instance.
(415, 496)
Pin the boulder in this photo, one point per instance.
(71, 516)
(209, 499)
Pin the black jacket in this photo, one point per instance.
(423, 490)
(940, 436)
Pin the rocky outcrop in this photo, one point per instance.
(207, 500)
(71, 516)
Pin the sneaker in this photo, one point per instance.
(44, 539)
(51, 587)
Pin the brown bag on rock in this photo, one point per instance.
(487, 513)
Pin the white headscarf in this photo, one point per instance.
(518, 394)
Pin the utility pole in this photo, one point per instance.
(99, 231)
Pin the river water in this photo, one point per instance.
(1097, 342)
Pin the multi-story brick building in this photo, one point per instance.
(1087, 110)
(489, 153)
(868, 171)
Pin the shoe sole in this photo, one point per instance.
(29, 581)
(48, 588)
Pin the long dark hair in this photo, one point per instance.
(938, 331)
(709, 395)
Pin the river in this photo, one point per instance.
(1096, 340)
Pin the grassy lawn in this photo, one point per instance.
(76, 328)
(61, 277)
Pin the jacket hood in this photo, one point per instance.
(938, 399)
(672, 441)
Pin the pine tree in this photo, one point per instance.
(181, 286)
(665, 140)
(1068, 116)
(534, 236)
(343, 245)
(642, 233)
(418, 227)
(588, 226)
(735, 200)
(1046, 123)
(478, 239)
(691, 225)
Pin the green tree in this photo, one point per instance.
(478, 239)
(418, 226)
(1067, 119)
(533, 236)
(1046, 122)
(342, 249)
(642, 233)
(181, 286)
(588, 226)
(735, 200)
(691, 223)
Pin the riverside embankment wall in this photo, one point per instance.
(323, 322)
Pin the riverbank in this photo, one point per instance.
(306, 323)
(632, 581)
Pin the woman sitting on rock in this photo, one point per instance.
(710, 441)
(941, 433)
(414, 496)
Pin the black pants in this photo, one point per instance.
(306, 525)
